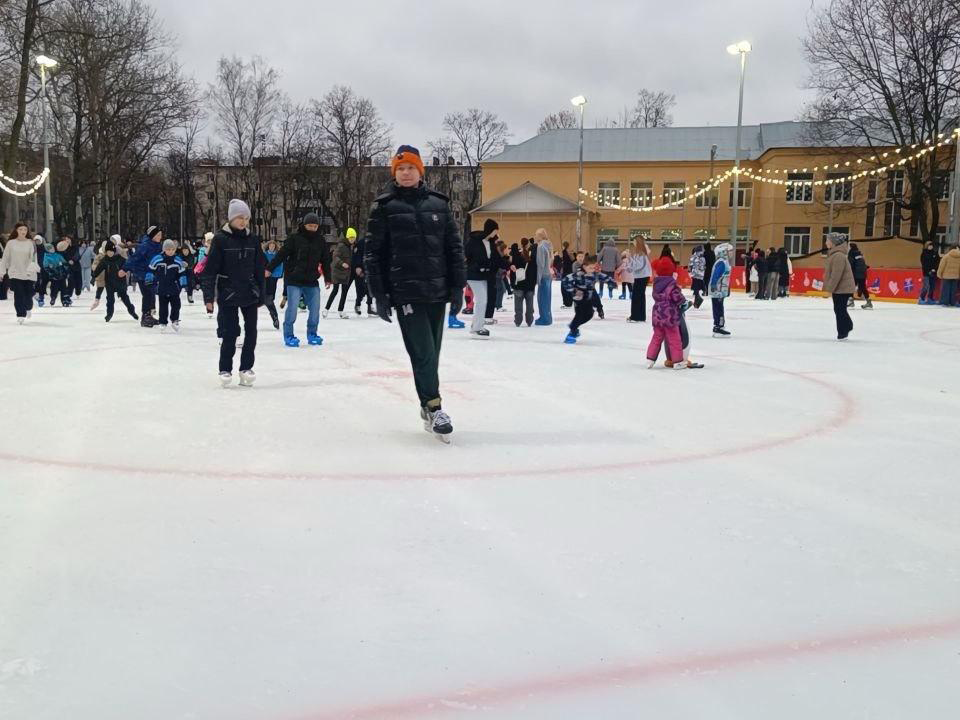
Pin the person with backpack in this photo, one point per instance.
(57, 270)
(524, 271)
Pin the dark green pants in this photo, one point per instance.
(422, 331)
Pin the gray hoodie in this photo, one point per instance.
(544, 261)
(609, 257)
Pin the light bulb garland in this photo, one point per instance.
(764, 175)
(32, 185)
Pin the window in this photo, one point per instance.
(799, 187)
(871, 208)
(943, 184)
(671, 234)
(839, 192)
(744, 195)
(705, 234)
(895, 184)
(941, 239)
(674, 192)
(842, 230)
(641, 194)
(639, 233)
(608, 194)
(709, 198)
(796, 240)
(605, 234)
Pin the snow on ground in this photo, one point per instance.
(774, 536)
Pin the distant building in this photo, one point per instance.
(534, 184)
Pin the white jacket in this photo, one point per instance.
(18, 257)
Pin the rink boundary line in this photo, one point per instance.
(925, 335)
(840, 417)
(632, 674)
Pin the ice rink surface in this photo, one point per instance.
(775, 536)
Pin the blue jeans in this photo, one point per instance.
(948, 293)
(929, 285)
(544, 300)
(311, 298)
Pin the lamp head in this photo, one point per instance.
(741, 47)
(46, 62)
(579, 101)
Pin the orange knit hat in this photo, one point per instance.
(407, 154)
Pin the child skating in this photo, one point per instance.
(582, 286)
(665, 317)
(115, 279)
(168, 276)
(720, 288)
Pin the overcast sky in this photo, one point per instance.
(522, 59)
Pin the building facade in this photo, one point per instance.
(628, 173)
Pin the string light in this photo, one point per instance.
(33, 185)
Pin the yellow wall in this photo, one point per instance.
(769, 215)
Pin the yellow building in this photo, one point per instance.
(534, 184)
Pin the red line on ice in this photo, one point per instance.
(640, 672)
(840, 417)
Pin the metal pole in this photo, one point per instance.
(46, 155)
(148, 213)
(832, 196)
(580, 186)
(736, 167)
(954, 236)
(710, 208)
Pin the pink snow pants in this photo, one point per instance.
(669, 336)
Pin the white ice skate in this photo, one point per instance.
(324, 314)
(247, 378)
(20, 321)
(344, 316)
(438, 424)
(176, 326)
(226, 379)
(96, 304)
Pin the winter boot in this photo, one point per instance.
(314, 340)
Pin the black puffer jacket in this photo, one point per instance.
(110, 267)
(302, 256)
(480, 265)
(235, 269)
(929, 261)
(413, 252)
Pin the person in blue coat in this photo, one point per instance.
(270, 296)
(137, 265)
(167, 274)
(720, 287)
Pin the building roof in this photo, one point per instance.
(528, 198)
(656, 144)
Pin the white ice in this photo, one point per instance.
(775, 536)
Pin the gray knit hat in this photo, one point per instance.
(238, 208)
(837, 238)
(169, 245)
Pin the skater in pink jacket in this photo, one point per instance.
(666, 315)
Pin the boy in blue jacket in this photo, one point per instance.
(582, 287)
(167, 276)
(137, 266)
(720, 288)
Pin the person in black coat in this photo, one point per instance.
(111, 266)
(929, 263)
(760, 263)
(360, 277)
(414, 261)
(235, 275)
(709, 260)
(482, 265)
(524, 270)
(860, 268)
(303, 256)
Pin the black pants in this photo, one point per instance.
(22, 296)
(171, 304)
(191, 284)
(362, 291)
(491, 297)
(100, 290)
(76, 280)
(342, 289)
(149, 298)
(4, 286)
(271, 297)
(124, 298)
(862, 288)
(422, 331)
(638, 303)
(58, 286)
(844, 323)
(698, 287)
(229, 321)
(567, 296)
(719, 319)
(582, 314)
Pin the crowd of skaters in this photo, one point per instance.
(413, 263)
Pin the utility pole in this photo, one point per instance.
(954, 236)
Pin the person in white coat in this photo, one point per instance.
(19, 263)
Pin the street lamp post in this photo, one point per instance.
(579, 101)
(741, 48)
(45, 64)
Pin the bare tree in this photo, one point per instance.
(477, 135)
(559, 121)
(888, 73)
(245, 99)
(653, 109)
(356, 138)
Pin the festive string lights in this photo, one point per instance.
(32, 185)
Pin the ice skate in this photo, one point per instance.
(324, 314)
(163, 329)
(96, 304)
(247, 378)
(571, 339)
(651, 364)
(694, 365)
(721, 332)
(481, 334)
(108, 318)
(276, 323)
(314, 340)
(357, 311)
(40, 302)
(20, 321)
(291, 341)
(226, 379)
(175, 326)
(454, 324)
(438, 424)
(147, 321)
(868, 305)
(344, 316)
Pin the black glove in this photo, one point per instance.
(456, 301)
(383, 308)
